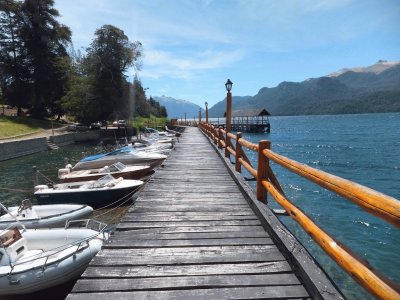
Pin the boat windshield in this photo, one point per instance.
(118, 166)
(101, 182)
(122, 150)
(126, 150)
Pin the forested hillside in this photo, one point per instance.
(365, 90)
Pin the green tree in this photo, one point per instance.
(163, 112)
(142, 106)
(108, 58)
(46, 42)
(75, 100)
(15, 80)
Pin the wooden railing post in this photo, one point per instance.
(227, 144)
(220, 137)
(262, 170)
(239, 150)
(214, 136)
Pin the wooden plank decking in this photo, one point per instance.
(191, 235)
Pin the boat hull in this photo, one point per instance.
(57, 218)
(94, 198)
(39, 273)
(139, 174)
(94, 164)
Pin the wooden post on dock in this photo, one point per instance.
(262, 170)
(239, 151)
(35, 176)
(228, 123)
(220, 137)
(199, 116)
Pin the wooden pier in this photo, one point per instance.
(196, 231)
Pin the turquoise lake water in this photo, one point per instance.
(362, 148)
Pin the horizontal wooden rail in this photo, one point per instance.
(249, 145)
(232, 136)
(231, 151)
(379, 204)
(248, 167)
(358, 270)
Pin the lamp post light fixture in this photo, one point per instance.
(228, 86)
(206, 104)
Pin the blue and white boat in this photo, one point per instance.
(127, 155)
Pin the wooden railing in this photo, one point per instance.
(381, 205)
(155, 125)
(192, 123)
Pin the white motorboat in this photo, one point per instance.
(174, 132)
(160, 134)
(152, 146)
(116, 170)
(35, 259)
(105, 191)
(127, 155)
(42, 216)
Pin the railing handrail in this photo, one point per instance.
(379, 204)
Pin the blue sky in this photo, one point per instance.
(191, 47)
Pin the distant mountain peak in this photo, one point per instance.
(377, 68)
(177, 108)
(164, 98)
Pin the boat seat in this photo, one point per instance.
(87, 185)
(29, 255)
(27, 213)
(14, 244)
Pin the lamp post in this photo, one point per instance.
(199, 116)
(228, 86)
(206, 104)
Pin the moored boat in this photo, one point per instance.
(105, 191)
(151, 146)
(42, 216)
(117, 169)
(127, 155)
(35, 259)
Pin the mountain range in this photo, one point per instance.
(177, 108)
(369, 89)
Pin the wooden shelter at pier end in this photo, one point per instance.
(250, 120)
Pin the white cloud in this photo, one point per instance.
(188, 42)
(158, 63)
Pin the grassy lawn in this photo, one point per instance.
(12, 126)
(140, 122)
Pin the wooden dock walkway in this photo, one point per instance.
(195, 233)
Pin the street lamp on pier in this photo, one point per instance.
(206, 104)
(228, 86)
(199, 116)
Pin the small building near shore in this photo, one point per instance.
(250, 120)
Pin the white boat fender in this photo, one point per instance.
(40, 187)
